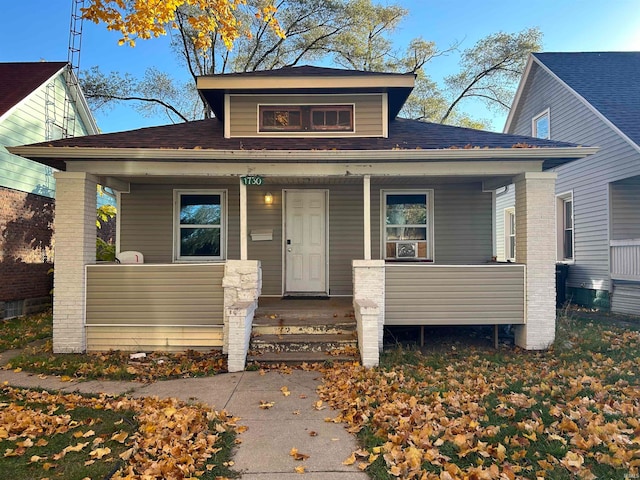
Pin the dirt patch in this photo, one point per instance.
(597, 316)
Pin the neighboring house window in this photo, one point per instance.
(510, 234)
(408, 224)
(299, 118)
(199, 224)
(565, 226)
(540, 127)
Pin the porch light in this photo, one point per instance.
(268, 198)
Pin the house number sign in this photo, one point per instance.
(252, 180)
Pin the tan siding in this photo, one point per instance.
(146, 220)
(367, 111)
(155, 295)
(346, 238)
(161, 338)
(440, 295)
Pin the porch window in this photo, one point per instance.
(540, 127)
(565, 227)
(510, 234)
(199, 221)
(408, 225)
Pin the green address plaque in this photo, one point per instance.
(252, 180)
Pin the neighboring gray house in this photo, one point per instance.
(304, 184)
(590, 99)
(39, 101)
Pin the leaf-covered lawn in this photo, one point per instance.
(117, 365)
(477, 413)
(18, 332)
(71, 436)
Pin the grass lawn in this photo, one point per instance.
(17, 332)
(112, 365)
(74, 437)
(467, 411)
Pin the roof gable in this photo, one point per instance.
(19, 79)
(607, 82)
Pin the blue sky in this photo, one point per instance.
(35, 30)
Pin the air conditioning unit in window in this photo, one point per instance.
(407, 250)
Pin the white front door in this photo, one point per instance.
(305, 242)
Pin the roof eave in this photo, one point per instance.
(200, 155)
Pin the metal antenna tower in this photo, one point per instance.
(73, 59)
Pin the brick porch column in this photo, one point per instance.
(536, 247)
(75, 247)
(368, 305)
(242, 283)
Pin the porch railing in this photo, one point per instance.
(424, 294)
(625, 259)
(154, 307)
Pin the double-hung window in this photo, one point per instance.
(510, 234)
(565, 227)
(408, 224)
(199, 225)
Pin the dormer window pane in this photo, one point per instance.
(277, 118)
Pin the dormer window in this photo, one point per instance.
(303, 118)
(285, 119)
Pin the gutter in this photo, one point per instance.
(195, 155)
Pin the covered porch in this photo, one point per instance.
(456, 283)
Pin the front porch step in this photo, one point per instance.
(288, 327)
(302, 342)
(298, 331)
(297, 358)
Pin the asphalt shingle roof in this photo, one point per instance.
(19, 79)
(209, 134)
(609, 81)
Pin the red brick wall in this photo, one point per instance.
(26, 237)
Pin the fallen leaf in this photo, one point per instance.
(285, 391)
(297, 455)
(266, 405)
(351, 460)
(300, 469)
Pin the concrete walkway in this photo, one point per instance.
(264, 449)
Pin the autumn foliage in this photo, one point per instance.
(172, 440)
(135, 19)
(469, 414)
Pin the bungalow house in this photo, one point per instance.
(39, 101)
(305, 184)
(590, 98)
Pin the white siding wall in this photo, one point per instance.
(25, 125)
(588, 178)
